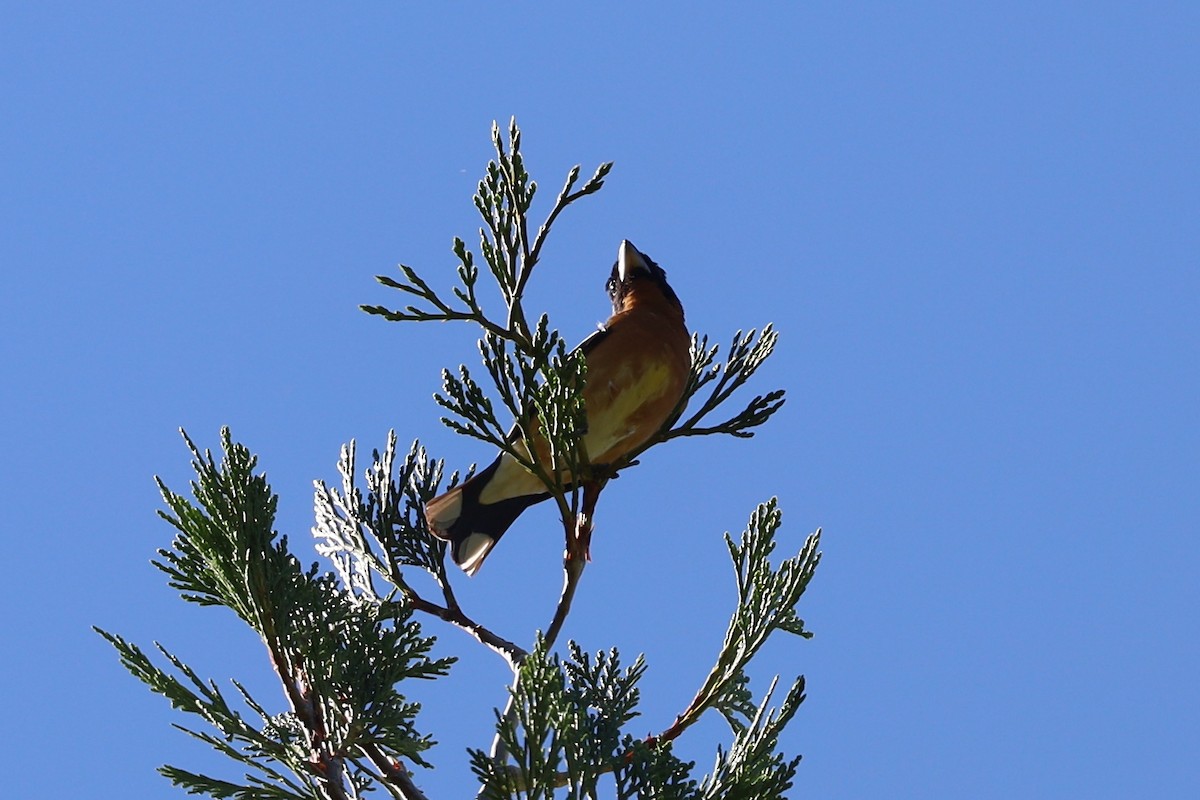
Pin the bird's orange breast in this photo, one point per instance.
(634, 382)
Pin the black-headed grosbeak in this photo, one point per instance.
(637, 369)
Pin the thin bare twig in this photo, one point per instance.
(511, 653)
(579, 537)
(498, 751)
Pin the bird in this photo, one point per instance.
(638, 364)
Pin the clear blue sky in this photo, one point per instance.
(976, 225)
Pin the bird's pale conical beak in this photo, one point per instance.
(629, 260)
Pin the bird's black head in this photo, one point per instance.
(633, 269)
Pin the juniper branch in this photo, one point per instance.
(442, 311)
(746, 355)
(752, 769)
(337, 660)
(767, 599)
(353, 531)
(503, 199)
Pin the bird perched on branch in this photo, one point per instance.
(637, 369)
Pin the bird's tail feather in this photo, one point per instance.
(472, 528)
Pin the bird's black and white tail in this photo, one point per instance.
(471, 527)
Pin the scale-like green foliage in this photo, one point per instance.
(341, 662)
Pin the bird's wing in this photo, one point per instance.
(589, 344)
